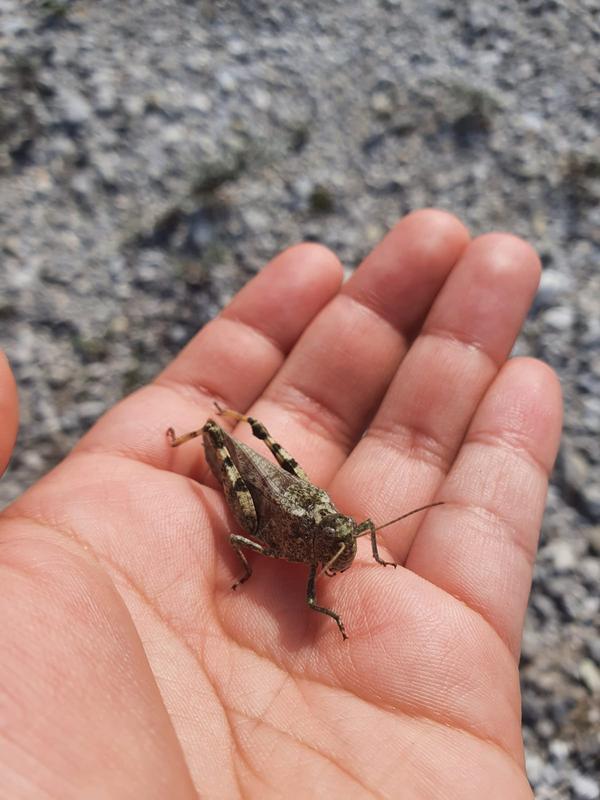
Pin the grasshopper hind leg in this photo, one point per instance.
(237, 542)
(284, 459)
(236, 493)
(234, 487)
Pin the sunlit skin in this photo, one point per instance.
(130, 669)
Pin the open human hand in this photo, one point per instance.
(131, 670)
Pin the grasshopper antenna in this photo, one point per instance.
(404, 516)
(409, 513)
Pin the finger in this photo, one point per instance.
(480, 546)
(322, 398)
(231, 359)
(9, 412)
(417, 431)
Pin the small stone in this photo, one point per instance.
(593, 536)
(535, 767)
(107, 166)
(260, 98)
(562, 555)
(559, 318)
(12, 24)
(237, 47)
(590, 569)
(227, 81)
(82, 184)
(530, 121)
(91, 409)
(594, 365)
(174, 134)
(200, 102)
(545, 729)
(178, 334)
(106, 96)
(12, 246)
(590, 608)
(75, 108)
(590, 675)
(119, 325)
(559, 750)
(554, 286)
(43, 180)
(32, 460)
(134, 105)
(591, 413)
(302, 187)
(197, 60)
(382, 104)
(591, 498)
(257, 220)
(585, 788)
(543, 606)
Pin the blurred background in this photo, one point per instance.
(154, 155)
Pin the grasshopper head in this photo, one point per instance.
(335, 542)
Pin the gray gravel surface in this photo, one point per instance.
(154, 155)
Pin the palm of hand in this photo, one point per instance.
(131, 666)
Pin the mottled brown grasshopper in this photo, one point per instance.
(278, 505)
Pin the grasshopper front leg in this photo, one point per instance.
(365, 526)
(311, 599)
(237, 542)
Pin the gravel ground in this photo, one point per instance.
(154, 155)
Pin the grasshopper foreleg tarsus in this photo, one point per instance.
(311, 599)
(365, 526)
(237, 542)
(284, 459)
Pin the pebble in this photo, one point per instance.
(227, 81)
(559, 318)
(75, 108)
(562, 555)
(382, 103)
(559, 750)
(585, 788)
(591, 498)
(590, 675)
(553, 289)
(535, 767)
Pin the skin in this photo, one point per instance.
(130, 669)
(9, 412)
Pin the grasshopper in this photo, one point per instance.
(277, 505)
